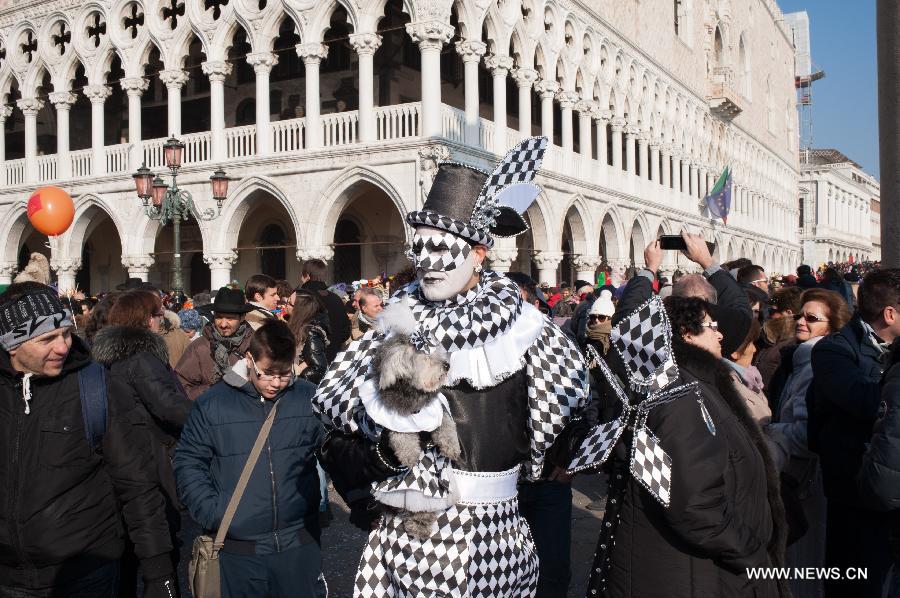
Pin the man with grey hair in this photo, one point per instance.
(694, 285)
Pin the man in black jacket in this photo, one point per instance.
(63, 503)
(312, 278)
(843, 404)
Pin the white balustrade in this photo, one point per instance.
(197, 147)
(153, 153)
(398, 122)
(453, 124)
(485, 133)
(81, 163)
(241, 141)
(46, 168)
(117, 158)
(15, 171)
(288, 135)
(339, 128)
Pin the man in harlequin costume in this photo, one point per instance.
(513, 383)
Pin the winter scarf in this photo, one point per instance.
(750, 376)
(223, 346)
(599, 333)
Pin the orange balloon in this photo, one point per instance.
(51, 211)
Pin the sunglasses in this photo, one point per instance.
(598, 317)
(714, 326)
(810, 318)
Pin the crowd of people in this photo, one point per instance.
(744, 425)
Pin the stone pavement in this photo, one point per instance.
(342, 543)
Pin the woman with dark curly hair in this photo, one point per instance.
(725, 514)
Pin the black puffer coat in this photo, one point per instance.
(725, 513)
(314, 352)
(140, 357)
(61, 504)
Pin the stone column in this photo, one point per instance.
(217, 72)
(5, 113)
(617, 125)
(30, 108)
(617, 269)
(7, 271)
(654, 161)
(695, 181)
(138, 266)
(174, 80)
(567, 100)
(135, 88)
(262, 63)
(685, 173)
(585, 130)
(499, 67)
(220, 264)
(63, 101)
(586, 267)
(471, 52)
(365, 45)
(503, 254)
(97, 94)
(431, 37)
(666, 180)
(643, 157)
(602, 118)
(548, 263)
(525, 79)
(65, 269)
(676, 171)
(312, 56)
(630, 158)
(548, 91)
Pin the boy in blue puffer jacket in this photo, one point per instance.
(272, 546)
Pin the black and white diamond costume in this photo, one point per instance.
(513, 384)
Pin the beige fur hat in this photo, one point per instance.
(37, 269)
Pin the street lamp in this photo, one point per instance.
(167, 203)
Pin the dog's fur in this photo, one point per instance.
(408, 380)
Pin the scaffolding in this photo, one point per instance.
(804, 85)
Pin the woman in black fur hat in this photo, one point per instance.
(724, 514)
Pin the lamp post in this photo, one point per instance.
(166, 202)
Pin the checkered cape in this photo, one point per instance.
(555, 372)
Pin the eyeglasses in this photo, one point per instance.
(759, 280)
(810, 318)
(714, 326)
(270, 377)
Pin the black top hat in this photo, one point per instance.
(130, 284)
(229, 301)
(477, 206)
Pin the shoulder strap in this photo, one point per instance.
(244, 479)
(92, 389)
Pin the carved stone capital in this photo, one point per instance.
(567, 99)
(62, 100)
(499, 65)
(8, 270)
(5, 112)
(585, 107)
(502, 258)
(30, 106)
(220, 261)
(323, 252)
(69, 266)
(262, 62)
(312, 53)
(216, 70)
(548, 260)
(430, 35)
(97, 94)
(430, 156)
(585, 263)
(547, 88)
(365, 43)
(173, 78)
(602, 114)
(471, 50)
(134, 86)
(525, 77)
(137, 263)
(617, 125)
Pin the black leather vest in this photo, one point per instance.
(492, 423)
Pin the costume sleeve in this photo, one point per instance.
(130, 465)
(338, 402)
(192, 463)
(558, 390)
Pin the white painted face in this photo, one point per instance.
(444, 264)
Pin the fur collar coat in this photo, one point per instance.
(725, 513)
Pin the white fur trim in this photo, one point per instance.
(426, 420)
(493, 362)
(397, 317)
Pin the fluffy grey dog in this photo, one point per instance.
(408, 380)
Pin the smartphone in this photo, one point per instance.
(673, 242)
(677, 243)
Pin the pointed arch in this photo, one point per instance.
(224, 236)
(87, 208)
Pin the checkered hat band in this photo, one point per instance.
(457, 227)
(439, 252)
(31, 316)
